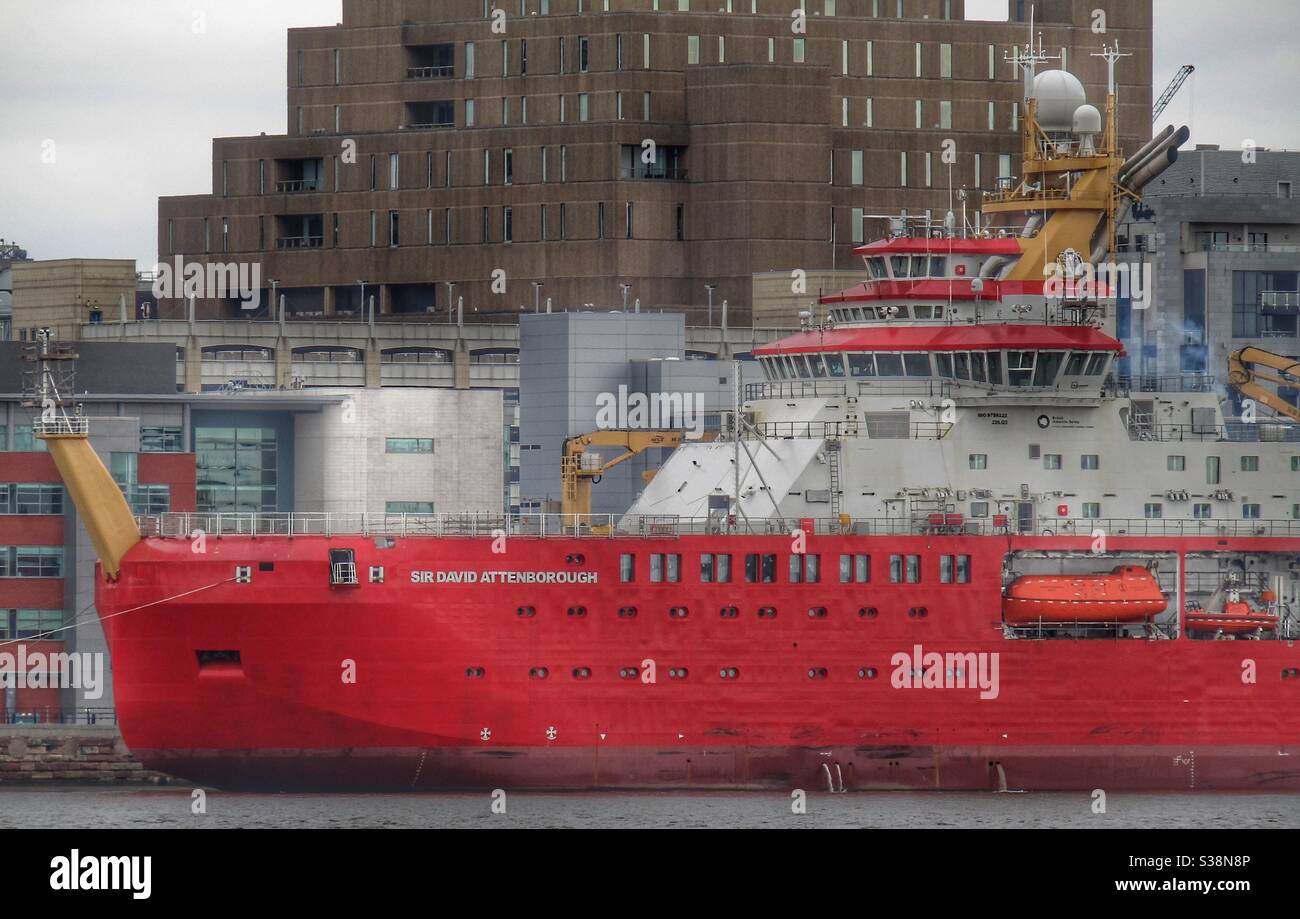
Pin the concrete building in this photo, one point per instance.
(1221, 231)
(385, 451)
(579, 373)
(9, 253)
(64, 294)
(453, 150)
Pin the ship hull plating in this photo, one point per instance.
(461, 668)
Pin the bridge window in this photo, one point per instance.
(917, 365)
(889, 365)
(627, 567)
(715, 569)
(995, 367)
(977, 367)
(817, 365)
(1049, 365)
(835, 364)
(961, 366)
(1020, 367)
(1097, 364)
(760, 569)
(944, 364)
(1074, 367)
(862, 365)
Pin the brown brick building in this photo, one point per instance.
(433, 142)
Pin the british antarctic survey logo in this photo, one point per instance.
(954, 670)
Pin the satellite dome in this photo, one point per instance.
(1059, 94)
(1087, 120)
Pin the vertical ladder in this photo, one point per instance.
(833, 461)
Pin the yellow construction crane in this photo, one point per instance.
(1244, 377)
(579, 475)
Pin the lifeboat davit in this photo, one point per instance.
(1128, 594)
(1237, 618)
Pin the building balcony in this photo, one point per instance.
(297, 186)
(300, 242)
(444, 72)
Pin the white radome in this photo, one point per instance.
(1060, 95)
(1087, 120)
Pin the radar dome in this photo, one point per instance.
(1059, 94)
(1087, 120)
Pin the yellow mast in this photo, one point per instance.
(99, 501)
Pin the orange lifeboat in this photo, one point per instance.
(1237, 618)
(1128, 594)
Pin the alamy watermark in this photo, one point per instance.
(636, 411)
(181, 280)
(53, 670)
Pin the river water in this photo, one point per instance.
(76, 808)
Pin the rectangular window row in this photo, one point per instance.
(762, 568)
(31, 561)
(25, 499)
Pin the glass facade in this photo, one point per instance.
(1257, 316)
(236, 469)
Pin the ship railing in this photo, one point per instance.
(814, 389)
(199, 525)
(1161, 526)
(835, 430)
(54, 714)
(1182, 382)
(1078, 628)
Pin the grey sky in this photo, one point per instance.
(131, 93)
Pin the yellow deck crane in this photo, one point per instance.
(1245, 377)
(579, 474)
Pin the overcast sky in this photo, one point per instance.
(125, 97)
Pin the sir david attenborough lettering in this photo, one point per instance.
(503, 577)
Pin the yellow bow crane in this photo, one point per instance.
(580, 470)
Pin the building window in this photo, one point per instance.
(161, 440)
(692, 49)
(627, 568)
(408, 445)
(1201, 511)
(583, 111)
(31, 499)
(760, 569)
(408, 507)
(1212, 470)
(1177, 463)
(1052, 461)
(1091, 510)
(1090, 461)
(805, 569)
(954, 569)
(1153, 511)
(945, 62)
(507, 224)
(394, 229)
(681, 222)
(799, 51)
(508, 161)
(979, 461)
(31, 561)
(1250, 464)
(583, 57)
(905, 569)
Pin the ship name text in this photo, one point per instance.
(503, 577)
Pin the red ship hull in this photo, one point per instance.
(416, 684)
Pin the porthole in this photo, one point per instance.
(575, 559)
(581, 673)
(729, 673)
(538, 673)
(868, 612)
(628, 673)
(917, 612)
(767, 612)
(817, 612)
(867, 673)
(577, 612)
(678, 612)
(526, 612)
(729, 612)
(677, 673)
(627, 612)
(816, 673)
(474, 672)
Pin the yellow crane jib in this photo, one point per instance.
(581, 469)
(1246, 378)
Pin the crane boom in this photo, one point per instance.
(1245, 377)
(579, 476)
(1171, 90)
